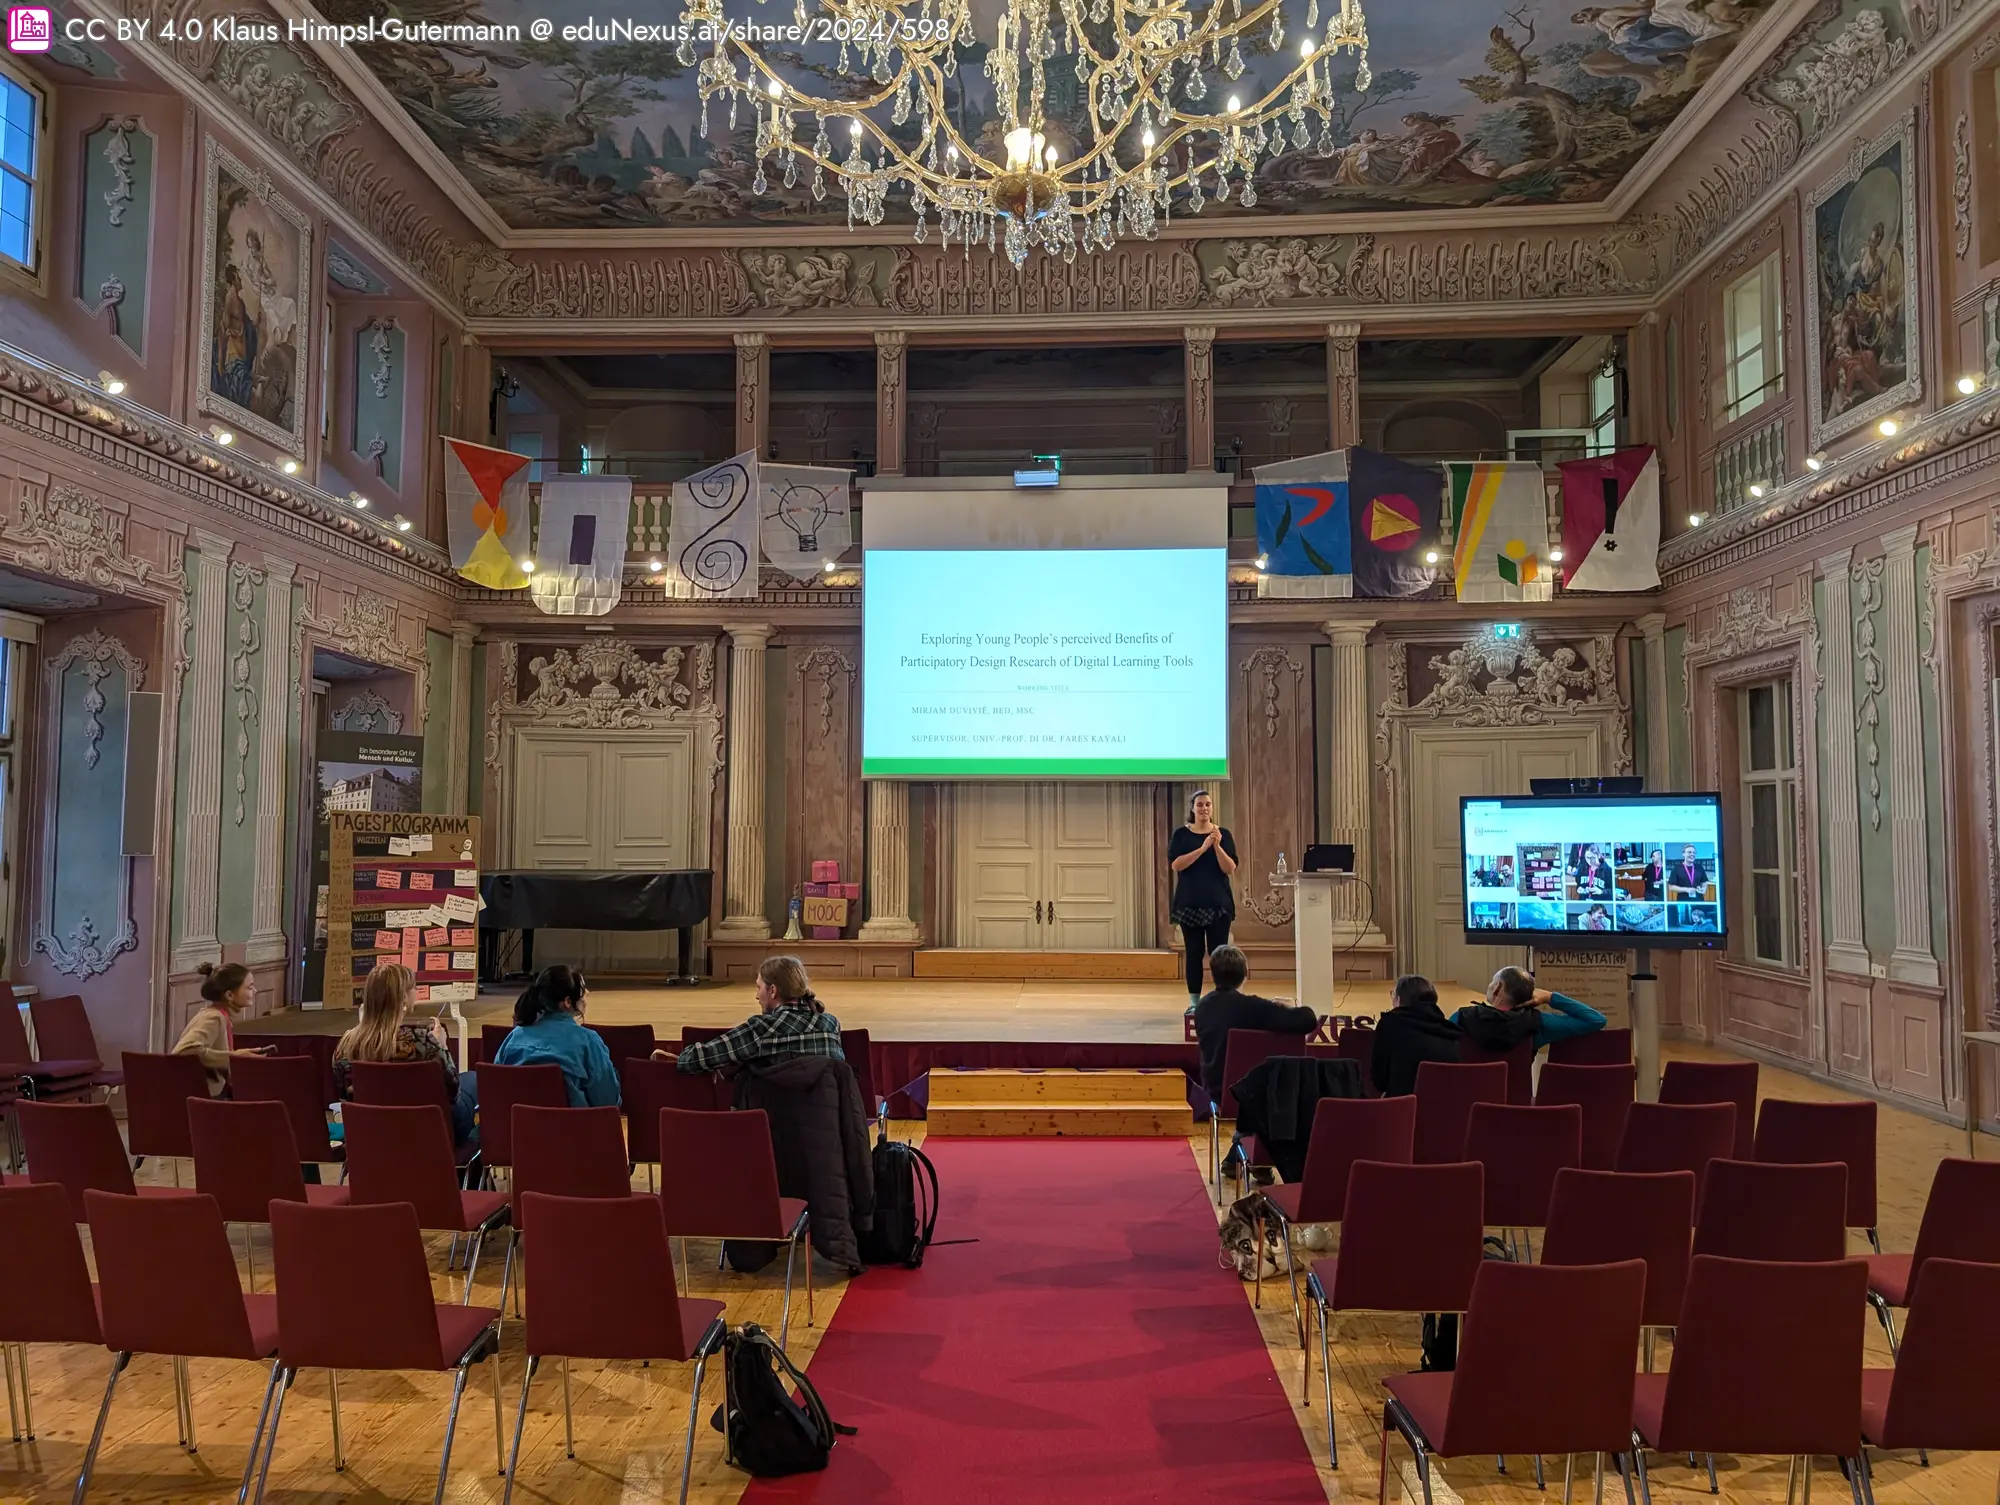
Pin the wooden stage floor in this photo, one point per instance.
(629, 1420)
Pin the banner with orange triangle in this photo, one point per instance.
(486, 513)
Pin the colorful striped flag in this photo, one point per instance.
(1500, 521)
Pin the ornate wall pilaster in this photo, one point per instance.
(1912, 960)
(753, 391)
(1200, 366)
(891, 355)
(1840, 864)
(275, 719)
(743, 917)
(1653, 640)
(458, 757)
(888, 890)
(199, 867)
(1351, 801)
(1343, 386)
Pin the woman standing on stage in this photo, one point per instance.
(1201, 855)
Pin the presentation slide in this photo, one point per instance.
(1648, 868)
(1024, 637)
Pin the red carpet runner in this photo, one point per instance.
(1087, 1348)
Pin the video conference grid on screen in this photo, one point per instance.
(1647, 866)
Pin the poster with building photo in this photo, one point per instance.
(366, 771)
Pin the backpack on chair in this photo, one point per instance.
(906, 1205)
(770, 1433)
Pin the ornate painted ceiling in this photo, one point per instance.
(1473, 103)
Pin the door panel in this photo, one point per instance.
(1049, 866)
(1084, 868)
(558, 805)
(1000, 869)
(645, 827)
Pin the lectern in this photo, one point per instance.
(1312, 934)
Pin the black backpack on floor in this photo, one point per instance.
(770, 1433)
(906, 1205)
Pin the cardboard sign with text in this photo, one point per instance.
(825, 911)
(1602, 979)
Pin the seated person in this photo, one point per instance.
(1227, 1007)
(1515, 1010)
(226, 991)
(386, 1033)
(1413, 1031)
(789, 1021)
(548, 1027)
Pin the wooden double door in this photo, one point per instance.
(1050, 866)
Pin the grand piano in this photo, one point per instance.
(573, 899)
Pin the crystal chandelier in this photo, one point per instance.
(1152, 116)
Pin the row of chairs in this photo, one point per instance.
(247, 1171)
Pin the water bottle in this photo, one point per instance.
(1281, 864)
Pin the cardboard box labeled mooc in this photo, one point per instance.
(824, 911)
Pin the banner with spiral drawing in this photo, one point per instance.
(806, 525)
(712, 542)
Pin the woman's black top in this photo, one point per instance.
(1201, 889)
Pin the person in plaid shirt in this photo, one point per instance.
(789, 1021)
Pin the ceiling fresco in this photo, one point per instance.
(1472, 103)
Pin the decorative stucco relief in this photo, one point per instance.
(64, 531)
(1867, 577)
(824, 670)
(366, 711)
(244, 584)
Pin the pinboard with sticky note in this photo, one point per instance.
(402, 887)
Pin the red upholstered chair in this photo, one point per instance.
(63, 1034)
(1601, 1217)
(167, 1285)
(1356, 1042)
(1961, 1221)
(1445, 1095)
(626, 1042)
(400, 1084)
(1344, 1130)
(404, 1155)
(1945, 1389)
(1749, 1210)
(1410, 1241)
(157, 1089)
(47, 1296)
(491, 1038)
(647, 1086)
(1604, 1093)
(564, 1152)
(628, 1308)
(294, 1082)
(735, 1194)
(1544, 1366)
(1676, 1136)
(328, 1319)
(500, 1089)
(47, 1078)
(1796, 1133)
(859, 1050)
(76, 1146)
(1603, 1047)
(1522, 1150)
(1247, 1049)
(1717, 1082)
(245, 1158)
(1520, 1064)
(1767, 1360)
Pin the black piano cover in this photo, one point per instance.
(559, 899)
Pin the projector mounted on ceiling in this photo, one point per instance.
(1046, 472)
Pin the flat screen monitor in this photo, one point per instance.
(1616, 870)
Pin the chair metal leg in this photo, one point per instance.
(1424, 1473)
(1647, 1347)
(1867, 1472)
(271, 1437)
(1875, 1240)
(499, 1423)
(450, 1427)
(785, 1312)
(569, 1425)
(1888, 1323)
(474, 1248)
(13, 1405)
(520, 1421)
(339, 1448)
(27, 1390)
(1540, 1482)
(1624, 1473)
(1381, 1458)
(187, 1400)
(1646, 1484)
(1257, 1257)
(250, 1254)
(1292, 1274)
(1712, 1486)
(507, 1272)
(180, 1402)
(257, 1437)
(1569, 1475)
(118, 1363)
(1805, 1489)
(805, 1237)
(694, 1413)
(1215, 1154)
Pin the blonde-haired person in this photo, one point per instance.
(789, 1021)
(386, 1033)
(226, 991)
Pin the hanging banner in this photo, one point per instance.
(486, 513)
(805, 522)
(1396, 512)
(580, 545)
(1611, 521)
(1303, 534)
(1500, 531)
(712, 542)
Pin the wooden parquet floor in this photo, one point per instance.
(629, 1420)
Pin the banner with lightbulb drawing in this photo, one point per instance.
(724, 518)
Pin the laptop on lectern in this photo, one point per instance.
(1329, 857)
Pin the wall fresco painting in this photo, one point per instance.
(255, 303)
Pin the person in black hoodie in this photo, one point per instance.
(1412, 1032)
